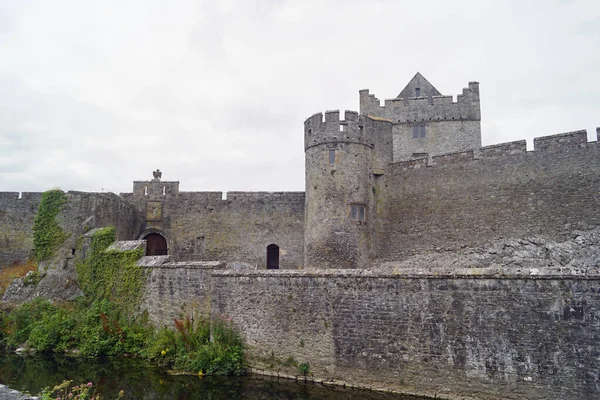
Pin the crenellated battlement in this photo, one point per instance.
(20, 196)
(322, 129)
(562, 143)
(426, 108)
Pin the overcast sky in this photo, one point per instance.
(97, 94)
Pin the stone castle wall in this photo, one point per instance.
(83, 211)
(177, 290)
(470, 199)
(462, 336)
(205, 226)
(450, 126)
(17, 213)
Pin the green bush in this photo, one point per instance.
(21, 320)
(53, 332)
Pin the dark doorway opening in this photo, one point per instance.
(272, 256)
(156, 245)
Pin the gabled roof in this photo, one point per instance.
(419, 81)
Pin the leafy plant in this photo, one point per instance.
(47, 233)
(111, 275)
(304, 369)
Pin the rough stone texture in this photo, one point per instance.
(16, 226)
(579, 250)
(450, 126)
(178, 290)
(7, 393)
(476, 268)
(468, 204)
(333, 238)
(125, 245)
(83, 211)
(204, 226)
(58, 285)
(502, 336)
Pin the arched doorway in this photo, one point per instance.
(156, 245)
(272, 256)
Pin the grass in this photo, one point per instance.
(14, 271)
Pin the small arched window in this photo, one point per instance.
(272, 256)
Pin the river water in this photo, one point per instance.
(139, 380)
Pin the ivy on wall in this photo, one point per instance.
(111, 274)
(47, 234)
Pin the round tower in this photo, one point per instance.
(339, 191)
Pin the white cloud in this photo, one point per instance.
(98, 94)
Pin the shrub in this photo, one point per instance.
(21, 320)
(304, 368)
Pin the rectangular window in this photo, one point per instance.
(357, 212)
(200, 246)
(418, 92)
(331, 156)
(310, 132)
(419, 131)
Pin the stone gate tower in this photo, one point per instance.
(343, 159)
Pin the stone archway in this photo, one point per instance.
(156, 243)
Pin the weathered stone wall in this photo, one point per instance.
(470, 199)
(177, 290)
(16, 226)
(441, 137)
(450, 126)
(83, 211)
(332, 237)
(204, 226)
(470, 335)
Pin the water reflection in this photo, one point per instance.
(142, 381)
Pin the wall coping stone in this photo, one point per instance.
(413, 273)
(125, 245)
(188, 264)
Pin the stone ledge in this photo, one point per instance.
(183, 264)
(410, 273)
(344, 384)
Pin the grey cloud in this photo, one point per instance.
(215, 93)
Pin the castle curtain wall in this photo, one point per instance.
(471, 199)
(16, 226)
(456, 336)
(82, 212)
(204, 226)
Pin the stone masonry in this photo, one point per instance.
(416, 259)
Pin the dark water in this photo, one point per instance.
(142, 381)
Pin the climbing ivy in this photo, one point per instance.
(47, 234)
(111, 274)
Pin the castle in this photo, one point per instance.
(409, 253)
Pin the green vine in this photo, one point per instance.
(111, 274)
(47, 234)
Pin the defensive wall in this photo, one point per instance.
(83, 211)
(231, 226)
(471, 334)
(177, 289)
(17, 212)
(472, 198)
